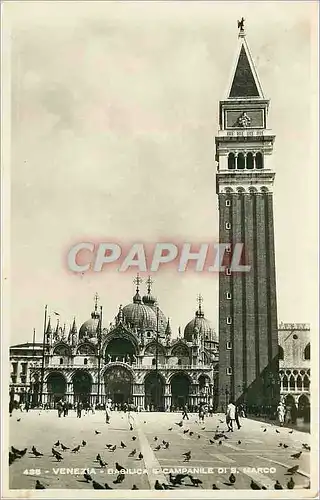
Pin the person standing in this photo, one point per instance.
(237, 415)
(79, 409)
(281, 411)
(185, 412)
(231, 415)
(108, 410)
(201, 413)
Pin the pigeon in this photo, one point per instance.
(215, 487)
(202, 428)
(232, 478)
(134, 438)
(279, 445)
(57, 443)
(87, 476)
(199, 436)
(76, 449)
(97, 432)
(296, 455)
(185, 431)
(277, 485)
(18, 419)
(176, 480)
(180, 424)
(18, 453)
(265, 430)
(113, 448)
(195, 481)
(290, 432)
(285, 446)
(239, 442)
(107, 487)
(306, 446)
(157, 448)
(63, 447)
(119, 467)
(84, 443)
(12, 457)
(134, 487)
(278, 432)
(102, 463)
(211, 441)
(132, 453)
(109, 445)
(191, 433)
(98, 457)
(254, 485)
(155, 438)
(123, 445)
(167, 445)
(187, 456)
(170, 429)
(36, 453)
(290, 484)
(293, 470)
(158, 486)
(56, 454)
(39, 486)
(131, 427)
(220, 442)
(97, 486)
(120, 478)
(140, 456)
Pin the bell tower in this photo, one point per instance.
(248, 335)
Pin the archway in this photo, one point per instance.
(56, 384)
(82, 385)
(118, 384)
(180, 386)
(120, 349)
(154, 391)
(304, 408)
(291, 409)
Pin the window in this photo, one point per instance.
(228, 271)
(228, 203)
(85, 361)
(148, 334)
(229, 370)
(231, 161)
(229, 320)
(241, 162)
(14, 378)
(307, 352)
(259, 160)
(228, 225)
(280, 352)
(229, 345)
(229, 297)
(61, 361)
(250, 161)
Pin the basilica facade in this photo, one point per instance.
(135, 359)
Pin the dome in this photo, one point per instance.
(89, 328)
(139, 315)
(203, 325)
(162, 318)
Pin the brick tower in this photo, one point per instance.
(248, 336)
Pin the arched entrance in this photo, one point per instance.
(118, 384)
(56, 384)
(154, 391)
(291, 409)
(180, 387)
(304, 408)
(120, 349)
(82, 385)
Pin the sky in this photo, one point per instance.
(114, 110)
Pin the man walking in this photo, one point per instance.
(79, 409)
(108, 410)
(230, 416)
(185, 412)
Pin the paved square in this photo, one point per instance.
(243, 452)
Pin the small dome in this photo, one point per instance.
(203, 325)
(89, 328)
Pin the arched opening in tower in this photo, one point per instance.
(180, 388)
(82, 386)
(241, 162)
(231, 161)
(154, 392)
(250, 161)
(259, 160)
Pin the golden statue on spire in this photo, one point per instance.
(241, 26)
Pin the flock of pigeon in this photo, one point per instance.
(59, 448)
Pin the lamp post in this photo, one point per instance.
(43, 352)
